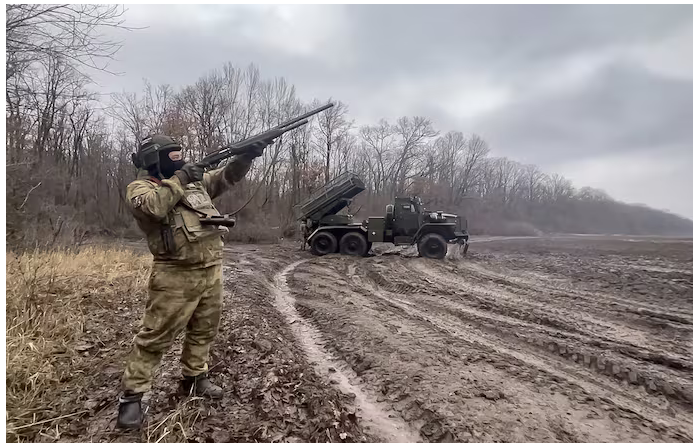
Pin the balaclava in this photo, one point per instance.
(167, 166)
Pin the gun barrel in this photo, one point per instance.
(295, 125)
(243, 146)
(269, 135)
(306, 115)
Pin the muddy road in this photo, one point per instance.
(566, 339)
(563, 339)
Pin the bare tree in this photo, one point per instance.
(251, 82)
(332, 133)
(593, 194)
(129, 110)
(70, 32)
(232, 79)
(157, 108)
(534, 178)
(559, 188)
(377, 147)
(413, 135)
(205, 103)
(469, 171)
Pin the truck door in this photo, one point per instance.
(406, 219)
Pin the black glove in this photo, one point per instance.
(256, 149)
(190, 173)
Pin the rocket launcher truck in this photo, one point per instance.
(406, 222)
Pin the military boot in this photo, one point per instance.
(200, 385)
(130, 412)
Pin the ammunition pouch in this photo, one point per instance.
(167, 239)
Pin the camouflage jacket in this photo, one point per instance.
(164, 209)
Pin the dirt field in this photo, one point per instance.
(573, 339)
(564, 339)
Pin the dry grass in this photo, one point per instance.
(178, 425)
(51, 299)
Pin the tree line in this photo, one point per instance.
(68, 149)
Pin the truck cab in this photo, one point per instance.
(407, 217)
(408, 222)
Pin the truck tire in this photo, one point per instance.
(323, 243)
(353, 244)
(432, 246)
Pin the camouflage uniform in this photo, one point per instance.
(185, 286)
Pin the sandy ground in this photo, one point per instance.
(564, 339)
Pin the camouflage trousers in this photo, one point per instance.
(179, 300)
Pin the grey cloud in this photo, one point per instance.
(179, 55)
(498, 39)
(622, 108)
(412, 40)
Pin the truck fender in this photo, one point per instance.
(430, 228)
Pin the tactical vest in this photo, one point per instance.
(186, 214)
(182, 239)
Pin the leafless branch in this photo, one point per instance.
(28, 194)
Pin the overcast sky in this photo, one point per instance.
(600, 94)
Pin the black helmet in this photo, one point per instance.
(147, 155)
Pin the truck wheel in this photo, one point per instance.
(432, 246)
(323, 243)
(353, 244)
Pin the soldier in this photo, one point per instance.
(185, 286)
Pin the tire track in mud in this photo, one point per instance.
(608, 276)
(375, 415)
(601, 356)
(523, 304)
(596, 346)
(416, 368)
(575, 375)
(566, 290)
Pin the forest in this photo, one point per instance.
(68, 149)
